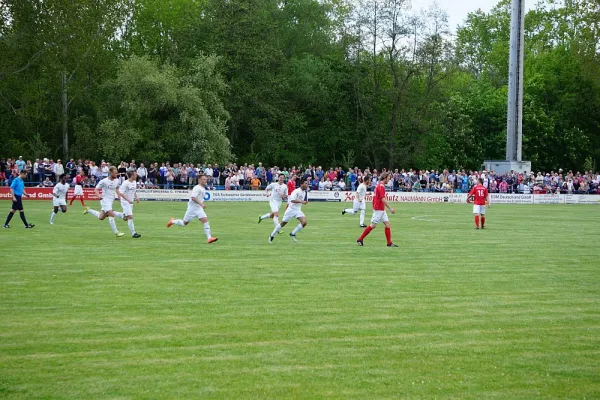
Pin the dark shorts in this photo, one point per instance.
(17, 205)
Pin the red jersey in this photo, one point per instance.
(79, 180)
(291, 185)
(378, 197)
(480, 193)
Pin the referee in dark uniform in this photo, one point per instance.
(17, 189)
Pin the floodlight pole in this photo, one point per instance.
(514, 132)
(514, 116)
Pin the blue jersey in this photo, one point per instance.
(18, 186)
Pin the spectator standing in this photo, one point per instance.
(192, 175)
(216, 175)
(208, 171)
(59, 170)
(20, 164)
(170, 177)
(29, 170)
(36, 170)
(163, 174)
(71, 168)
(152, 173)
(142, 173)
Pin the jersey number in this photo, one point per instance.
(480, 192)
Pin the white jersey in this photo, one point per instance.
(299, 195)
(108, 187)
(198, 192)
(128, 189)
(361, 192)
(60, 190)
(278, 192)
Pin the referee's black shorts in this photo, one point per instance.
(17, 205)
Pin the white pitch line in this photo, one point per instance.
(423, 218)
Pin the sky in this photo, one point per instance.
(458, 9)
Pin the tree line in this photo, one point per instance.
(291, 82)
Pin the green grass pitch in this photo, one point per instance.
(509, 312)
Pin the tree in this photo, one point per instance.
(151, 111)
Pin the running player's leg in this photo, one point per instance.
(377, 218)
(352, 210)
(204, 219)
(362, 214)
(190, 214)
(53, 214)
(302, 223)
(289, 215)
(482, 216)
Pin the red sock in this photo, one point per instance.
(388, 235)
(482, 221)
(367, 230)
(81, 199)
(477, 221)
(72, 198)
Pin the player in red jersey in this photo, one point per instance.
(379, 214)
(291, 186)
(78, 188)
(480, 196)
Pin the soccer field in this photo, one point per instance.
(509, 312)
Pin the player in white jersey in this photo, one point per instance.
(110, 189)
(295, 201)
(359, 200)
(59, 197)
(195, 209)
(128, 190)
(277, 191)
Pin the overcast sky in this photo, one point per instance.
(458, 9)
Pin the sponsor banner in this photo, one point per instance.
(503, 198)
(335, 196)
(548, 199)
(163, 195)
(582, 199)
(413, 197)
(44, 193)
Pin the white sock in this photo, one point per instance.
(297, 229)
(118, 214)
(130, 225)
(275, 220)
(277, 229)
(52, 216)
(179, 222)
(362, 217)
(350, 211)
(112, 224)
(264, 216)
(207, 230)
(94, 213)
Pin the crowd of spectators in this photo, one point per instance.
(45, 172)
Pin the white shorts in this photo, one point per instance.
(358, 205)
(78, 190)
(106, 205)
(478, 209)
(378, 217)
(58, 202)
(194, 212)
(290, 214)
(127, 208)
(275, 205)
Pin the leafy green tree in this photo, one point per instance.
(151, 111)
